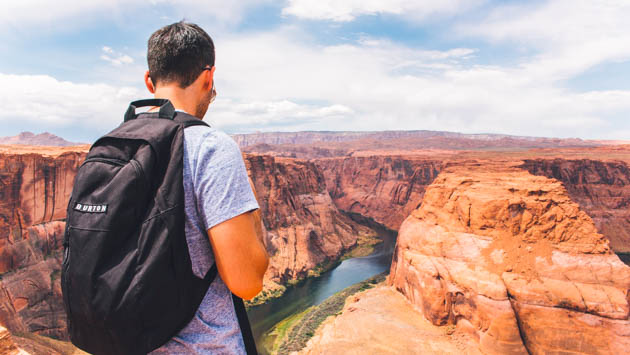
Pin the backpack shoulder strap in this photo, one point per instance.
(243, 322)
(186, 120)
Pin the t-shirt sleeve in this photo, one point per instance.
(221, 183)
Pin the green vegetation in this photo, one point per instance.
(264, 295)
(364, 247)
(292, 333)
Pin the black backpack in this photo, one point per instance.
(127, 281)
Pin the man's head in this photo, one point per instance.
(181, 58)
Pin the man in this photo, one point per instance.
(222, 218)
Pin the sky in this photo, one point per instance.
(553, 68)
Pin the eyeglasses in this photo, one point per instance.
(213, 94)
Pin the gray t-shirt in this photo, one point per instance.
(216, 189)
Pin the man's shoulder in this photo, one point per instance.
(209, 138)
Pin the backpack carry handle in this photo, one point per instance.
(167, 110)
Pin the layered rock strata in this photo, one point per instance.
(303, 228)
(35, 190)
(509, 258)
(601, 188)
(384, 188)
(7, 345)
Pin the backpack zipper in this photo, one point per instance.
(110, 161)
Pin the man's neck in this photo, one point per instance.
(179, 97)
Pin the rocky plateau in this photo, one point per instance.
(511, 260)
(511, 249)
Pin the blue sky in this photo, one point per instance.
(556, 68)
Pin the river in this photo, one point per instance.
(313, 291)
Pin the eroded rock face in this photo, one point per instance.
(509, 258)
(601, 188)
(35, 189)
(303, 230)
(30, 294)
(384, 188)
(303, 226)
(381, 321)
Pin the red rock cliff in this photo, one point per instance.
(35, 190)
(509, 258)
(303, 226)
(303, 230)
(601, 188)
(384, 188)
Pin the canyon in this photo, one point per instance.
(387, 188)
(509, 258)
(303, 231)
(317, 209)
(498, 261)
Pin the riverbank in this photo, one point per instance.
(292, 333)
(315, 290)
(364, 247)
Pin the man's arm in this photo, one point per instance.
(227, 205)
(240, 253)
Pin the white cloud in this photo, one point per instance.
(282, 80)
(568, 36)
(277, 81)
(44, 100)
(390, 86)
(114, 57)
(244, 116)
(348, 10)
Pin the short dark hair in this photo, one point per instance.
(178, 53)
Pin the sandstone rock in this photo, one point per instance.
(384, 188)
(7, 346)
(601, 188)
(381, 321)
(35, 189)
(510, 258)
(303, 228)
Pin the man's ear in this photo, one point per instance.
(209, 77)
(148, 82)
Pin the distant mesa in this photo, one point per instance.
(324, 144)
(43, 139)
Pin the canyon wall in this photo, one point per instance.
(601, 188)
(303, 230)
(35, 189)
(387, 188)
(508, 258)
(384, 188)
